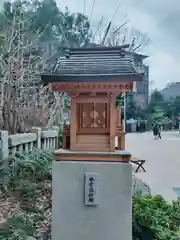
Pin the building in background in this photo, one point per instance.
(141, 96)
(137, 101)
(171, 91)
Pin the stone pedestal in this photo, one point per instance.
(110, 219)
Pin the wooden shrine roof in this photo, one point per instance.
(85, 64)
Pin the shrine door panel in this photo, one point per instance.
(93, 116)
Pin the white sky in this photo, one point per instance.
(1, 3)
(158, 19)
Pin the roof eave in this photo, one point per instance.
(49, 78)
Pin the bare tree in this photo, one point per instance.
(122, 35)
(23, 101)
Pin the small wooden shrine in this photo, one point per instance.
(93, 77)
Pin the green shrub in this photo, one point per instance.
(27, 175)
(20, 226)
(4, 175)
(33, 166)
(154, 218)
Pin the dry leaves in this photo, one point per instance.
(8, 207)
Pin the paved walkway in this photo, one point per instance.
(162, 161)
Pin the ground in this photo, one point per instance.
(162, 161)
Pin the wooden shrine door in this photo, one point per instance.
(93, 125)
(93, 118)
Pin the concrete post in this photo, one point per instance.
(4, 155)
(55, 128)
(37, 130)
(109, 219)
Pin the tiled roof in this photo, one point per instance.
(96, 62)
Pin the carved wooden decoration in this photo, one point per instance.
(86, 117)
(101, 87)
(93, 117)
(100, 113)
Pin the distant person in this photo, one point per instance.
(159, 131)
(155, 131)
(138, 127)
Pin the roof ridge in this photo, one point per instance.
(103, 50)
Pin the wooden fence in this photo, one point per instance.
(41, 139)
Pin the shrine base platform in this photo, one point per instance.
(68, 155)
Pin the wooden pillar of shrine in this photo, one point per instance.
(73, 123)
(113, 117)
